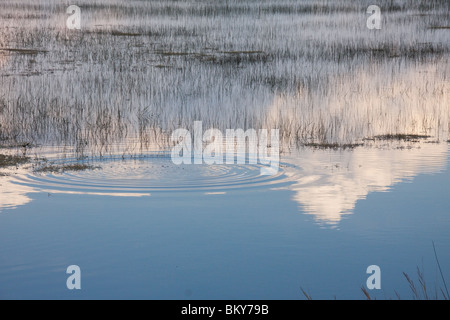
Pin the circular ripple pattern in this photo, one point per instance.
(152, 175)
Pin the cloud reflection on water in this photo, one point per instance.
(328, 184)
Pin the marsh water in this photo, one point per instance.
(364, 175)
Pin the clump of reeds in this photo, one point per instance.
(65, 168)
(419, 292)
(12, 160)
(422, 291)
(402, 137)
(333, 146)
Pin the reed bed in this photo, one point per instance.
(140, 69)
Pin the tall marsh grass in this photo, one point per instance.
(139, 69)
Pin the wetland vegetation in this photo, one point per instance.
(137, 70)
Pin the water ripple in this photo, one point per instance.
(150, 175)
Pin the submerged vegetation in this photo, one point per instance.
(65, 168)
(9, 160)
(404, 137)
(40, 165)
(334, 146)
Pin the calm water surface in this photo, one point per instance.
(149, 229)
